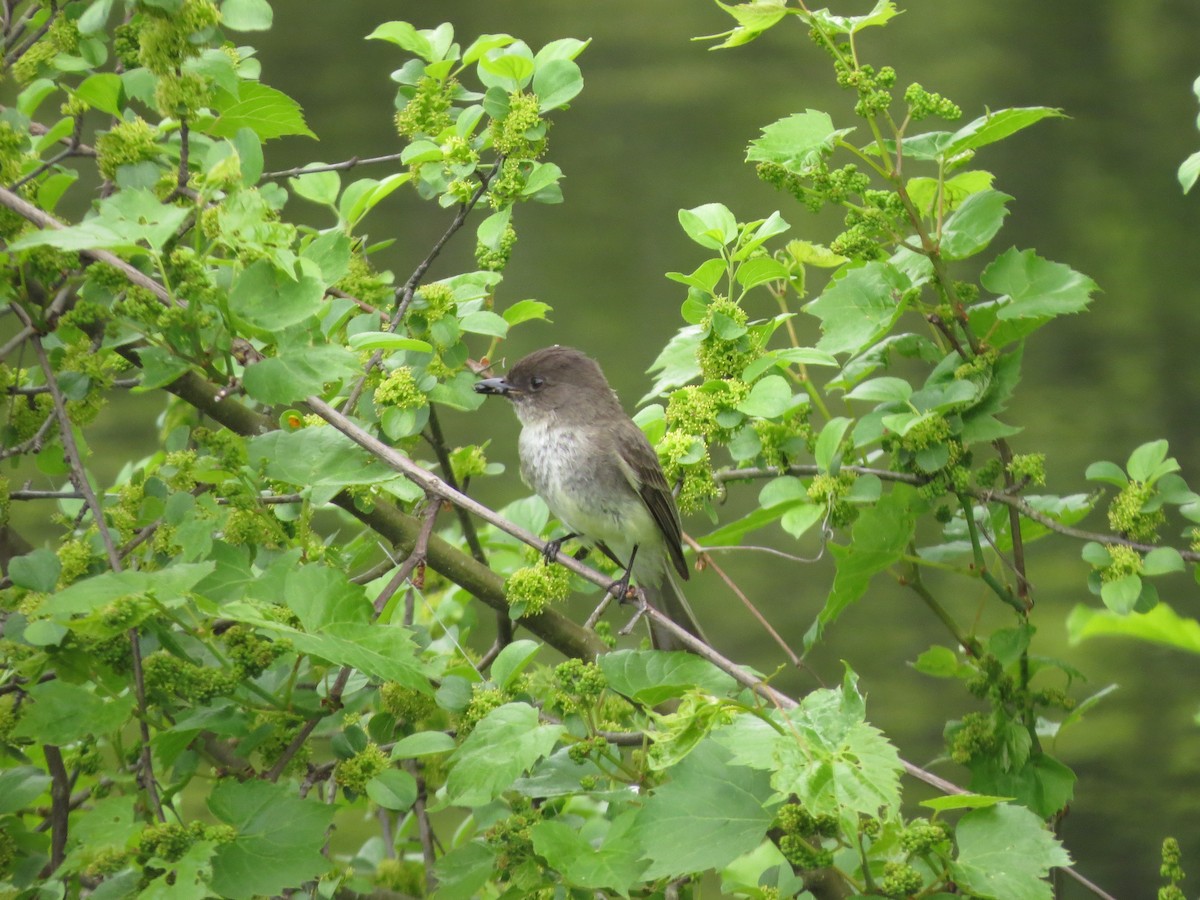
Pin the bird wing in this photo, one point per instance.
(645, 474)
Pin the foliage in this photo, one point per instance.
(215, 665)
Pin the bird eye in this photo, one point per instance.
(536, 382)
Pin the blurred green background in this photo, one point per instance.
(662, 124)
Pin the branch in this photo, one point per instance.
(28, 211)
(984, 496)
(332, 167)
(60, 805)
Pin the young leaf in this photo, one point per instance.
(1035, 287)
(1006, 851)
(503, 745)
(972, 226)
(859, 307)
(797, 142)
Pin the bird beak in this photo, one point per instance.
(493, 386)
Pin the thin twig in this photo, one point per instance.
(709, 562)
(332, 167)
(333, 701)
(405, 293)
(80, 479)
(60, 805)
(424, 830)
(414, 559)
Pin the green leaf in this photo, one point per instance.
(653, 676)
(798, 142)
(1006, 852)
(300, 372)
(267, 112)
(406, 37)
(1032, 287)
(61, 713)
(760, 270)
(803, 356)
(512, 661)
(386, 340)
(269, 299)
(503, 745)
(102, 91)
(962, 801)
(20, 786)
(37, 571)
(883, 390)
(972, 226)
(246, 15)
(423, 743)
(1106, 471)
(708, 814)
(711, 225)
(1162, 560)
(319, 459)
(483, 44)
(1121, 594)
(996, 126)
(319, 187)
(556, 83)
(1149, 462)
(859, 307)
(881, 14)
(525, 311)
(124, 221)
(615, 864)
(1161, 625)
(770, 396)
(463, 871)
(169, 587)
(829, 440)
(278, 842)
(484, 321)
(1189, 171)
(393, 789)
(878, 540)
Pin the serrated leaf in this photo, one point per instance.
(653, 676)
(271, 300)
(996, 126)
(1006, 852)
(860, 307)
(615, 864)
(60, 713)
(878, 539)
(1161, 625)
(797, 142)
(267, 112)
(278, 838)
(1034, 287)
(719, 806)
(300, 372)
(503, 745)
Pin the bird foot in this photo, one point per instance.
(551, 550)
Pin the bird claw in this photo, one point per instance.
(621, 589)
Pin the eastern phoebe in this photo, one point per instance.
(598, 474)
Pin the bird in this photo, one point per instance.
(599, 475)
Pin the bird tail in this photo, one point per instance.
(668, 599)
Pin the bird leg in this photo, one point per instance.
(620, 587)
(550, 551)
